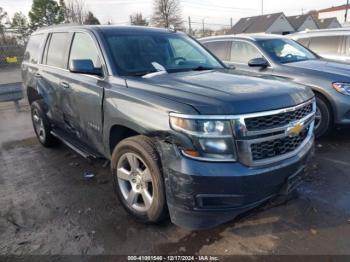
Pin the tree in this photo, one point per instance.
(91, 19)
(45, 13)
(74, 11)
(20, 24)
(138, 19)
(167, 13)
(3, 16)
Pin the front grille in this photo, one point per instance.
(278, 120)
(277, 147)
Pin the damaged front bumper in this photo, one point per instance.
(205, 194)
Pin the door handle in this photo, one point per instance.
(37, 75)
(64, 85)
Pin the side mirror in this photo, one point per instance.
(84, 66)
(258, 62)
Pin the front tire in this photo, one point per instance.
(323, 118)
(138, 181)
(41, 125)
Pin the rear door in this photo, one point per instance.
(83, 95)
(31, 60)
(327, 46)
(52, 73)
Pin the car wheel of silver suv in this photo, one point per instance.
(137, 178)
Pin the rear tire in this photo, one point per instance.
(138, 181)
(41, 125)
(323, 121)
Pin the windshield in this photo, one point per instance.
(140, 54)
(286, 50)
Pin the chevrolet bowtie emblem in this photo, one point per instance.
(295, 129)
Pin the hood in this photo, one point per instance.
(322, 67)
(213, 92)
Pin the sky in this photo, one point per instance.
(215, 13)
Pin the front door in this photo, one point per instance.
(84, 94)
(241, 53)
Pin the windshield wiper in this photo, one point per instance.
(142, 73)
(201, 68)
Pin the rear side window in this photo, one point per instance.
(242, 52)
(219, 48)
(325, 44)
(304, 42)
(33, 50)
(83, 47)
(56, 52)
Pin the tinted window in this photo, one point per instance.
(83, 47)
(139, 54)
(325, 44)
(56, 53)
(242, 52)
(33, 48)
(219, 48)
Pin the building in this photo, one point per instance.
(276, 23)
(335, 11)
(328, 23)
(302, 22)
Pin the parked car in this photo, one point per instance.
(280, 56)
(329, 43)
(183, 134)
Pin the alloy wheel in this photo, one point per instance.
(318, 118)
(39, 125)
(135, 182)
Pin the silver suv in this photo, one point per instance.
(331, 43)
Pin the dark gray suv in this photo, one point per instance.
(283, 57)
(184, 135)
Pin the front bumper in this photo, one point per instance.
(205, 194)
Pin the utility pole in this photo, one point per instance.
(203, 27)
(346, 11)
(262, 7)
(189, 26)
(231, 22)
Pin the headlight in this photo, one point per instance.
(212, 139)
(343, 88)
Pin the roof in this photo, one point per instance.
(105, 28)
(325, 23)
(298, 20)
(243, 36)
(255, 24)
(321, 32)
(334, 8)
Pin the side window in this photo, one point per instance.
(325, 44)
(56, 52)
(242, 52)
(33, 49)
(219, 48)
(83, 47)
(304, 41)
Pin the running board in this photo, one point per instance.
(74, 145)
